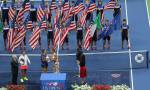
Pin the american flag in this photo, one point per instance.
(110, 5)
(78, 8)
(92, 7)
(10, 37)
(72, 26)
(56, 17)
(65, 31)
(69, 14)
(33, 41)
(47, 12)
(44, 24)
(27, 7)
(82, 20)
(19, 37)
(29, 25)
(87, 39)
(11, 13)
(20, 16)
(66, 6)
(40, 13)
(56, 37)
(53, 5)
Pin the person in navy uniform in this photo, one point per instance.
(5, 32)
(50, 35)
(124, 33)
(5, 10)
(107, 36)
(79, 35)
(33, 13)
(89, 16)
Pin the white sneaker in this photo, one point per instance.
(21, 80)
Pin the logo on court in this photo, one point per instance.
(139, 58)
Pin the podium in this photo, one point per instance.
(53, 81)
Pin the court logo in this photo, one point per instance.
(139, 58)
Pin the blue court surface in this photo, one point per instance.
(101, 64)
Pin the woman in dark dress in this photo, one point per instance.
(83, 72)
(14, 69)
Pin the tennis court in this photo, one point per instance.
(102, 65)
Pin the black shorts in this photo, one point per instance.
(106, 38)
(79, 35)
(124, 35)
(5, 32)
(50, 35)
(44, 64)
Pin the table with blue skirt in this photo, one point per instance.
(53, 81)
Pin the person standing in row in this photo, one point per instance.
(24, 61)
(44, 60)
(83, 70)
(14, 69)
(5, 32)
(124, 33)
(50, 35)
(107, 36)
(79, 35)
(55, 60)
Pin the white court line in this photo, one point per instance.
(148, 13)
(72, 54)
(130, 56)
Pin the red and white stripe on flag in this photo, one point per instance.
(87, 39)
(44, 24)
(66, 7)
(40, 13)
(29, 25)
(82, 20)
(92, 7)
(20, 16)
(110, 5)
(19, 37)
(56, 37)
(56, 17)
(53, 5)
(78, 8)
(10, 37)
(65, 31)
(72, 26)
(11, 13)
(47, 12)
(27, 7)
(33, 41)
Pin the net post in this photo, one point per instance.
(147, 57)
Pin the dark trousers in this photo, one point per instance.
(14, 78)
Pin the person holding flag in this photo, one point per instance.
(50, 35)
(124, 33)
(79, 35)
(117, 17)
(5, 32)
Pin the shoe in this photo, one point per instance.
(25, 78)
(21, 80)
